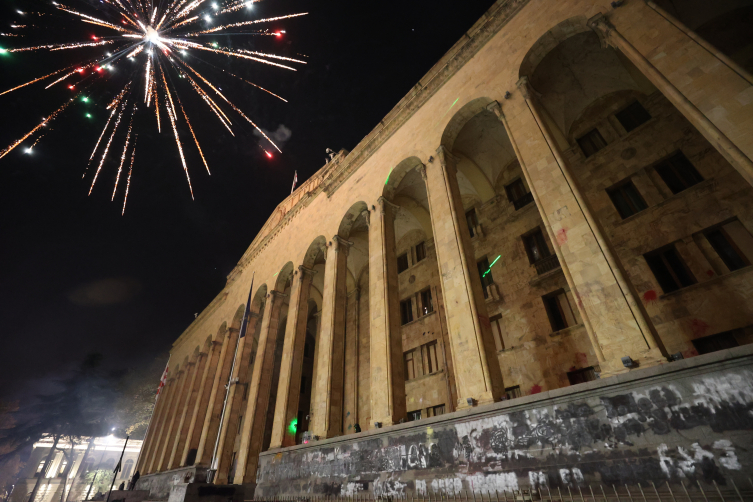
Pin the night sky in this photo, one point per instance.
(76, 276)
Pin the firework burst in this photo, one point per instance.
(161, 36)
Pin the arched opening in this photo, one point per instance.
(427, 364)
(356, 371)
(672, 208)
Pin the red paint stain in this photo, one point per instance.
(710, 273)
(649, 297)
(561, 236)
(698, 327)
(582, 359)
(535, 389)
(689, 353)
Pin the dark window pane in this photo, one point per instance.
(678, 173)
(712, 343)
(426, 304)
(472, 220)
(661, 272)
(556, 316)
(591, 142)
(406, 311)
(726, 249)
(536, 246)
(515, 190)
(414, 415)
(402, 263)
(581, 376)
(679, 268)
(484, 272)
(633, 116)
(669, 269)
(627, 199)
(513, 392)
(420, 251)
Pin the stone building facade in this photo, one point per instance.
(566, 196)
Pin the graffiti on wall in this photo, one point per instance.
(697, 429)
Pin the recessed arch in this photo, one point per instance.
(284, 277)
(549, 40)
(397, 173)
(315, 252)
(352, 216)
(461, 118)
(221, 332)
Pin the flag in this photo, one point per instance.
(163, 380)
(295, 180)
(247, 312)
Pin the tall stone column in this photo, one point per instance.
(386, 343)
(152, 432)
(171, 390)
(327, 409)
(185, 415)
(216, 399)
(598, 282)
(710, 130)
(477, 373)
(494, 107)
(196, 425)
(291, 367)
(259, 389)
(229, 428)
(174, 417)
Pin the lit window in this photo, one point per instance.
(591, 142)
(632, 116)
(536, 247)
(678, 173)
(402, 263)
(420, 251)
(429, 353)
(669, 269)
(427, 306)
(414, 415)
(406, 311)
(559, 310)
(626, 199)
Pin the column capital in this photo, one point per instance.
(253, 314)
(421, 168)
(216, 342)
(306, 271)
(231, 329)
(603, 28)
(200, 355)
(356, 291)
(525, 87)
(446, 158)
(338, 241)
(384, 203)
(276, 294)
(495, 108)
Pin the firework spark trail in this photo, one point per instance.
(123, 157)
(238, 6)
(156, 111)
(130, 171)
(177, 138)
(93, 20)
(210, 102)
(60, 47)
(238, 55)
(66, 76)
(185, 21)
(241, 78)
(193, 134)
(117, 99)
(107, 148)
(28, 150)
(112, 113)
(234, 107)
(148, 83)
(44, 122)
(245, 23)
(274, 56)
(33, 81)
(136, 51)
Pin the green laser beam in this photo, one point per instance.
(388, 176)
(490, 266)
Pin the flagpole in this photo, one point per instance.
(117, 468)
(241, 334)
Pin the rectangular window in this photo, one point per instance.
(485, 273)
(669, 269)
(559, 310)
(626, 199)
(414, 415)
(420, 251)
(725, 246)
(515, 190)
(535, 245)
(435, 411)
(678, 173)
(581, 376)
(406, 311)
(427, 306)
(402, 263)
(513, 392)
(303, 384)
(591, 142)
(472, 220)
(497, 330)
(429, 353)
(410, 368)
(712, 343)
(632, 116)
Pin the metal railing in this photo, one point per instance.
(690, 492)
(547, 264)
(523, 201)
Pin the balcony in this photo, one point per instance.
(522, 201)
(547, 264)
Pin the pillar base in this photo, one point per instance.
(646, 359)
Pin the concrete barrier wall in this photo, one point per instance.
(683, 421)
